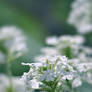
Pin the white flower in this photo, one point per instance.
(65, 44)
(44, 58)
(41, 58)
(49, 51)
(76, 82)
(34, 84)
(13, 41)
(54, 68)
(89, 78)
(70, 42)
(77, 65)
(82, 67)
(69, 77)
(72, 39)
(80, 15)
(52, 40)
(8, 32)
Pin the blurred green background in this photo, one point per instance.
(38, 19)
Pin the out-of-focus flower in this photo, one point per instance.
(13, 42)
(88, 78)
(69, 44)
(76, 82)
(65, 45)
(81, 15)
(18, 85)
(49, 51)
(86, 54)
(52, 40)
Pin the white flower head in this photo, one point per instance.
(52, 40)
(54, 68)
(71, 40)
(49, 51)
(89, 78)
(13, 41)
(63, 44)
(83, 67)
(34, 84)
(80, 16)
(69, 77)
(77, 82)
(69, 44)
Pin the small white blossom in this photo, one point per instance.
(88, 78)
(72, 39)
(84, 67)
(49, 51)
(69, 77)
(76, 82)
(52, 40)
(44, 58)
(34, 84)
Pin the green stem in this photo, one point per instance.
(69, 85)
(75, 89)
(8, 69)
(52, 90)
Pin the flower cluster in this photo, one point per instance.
(50, 75)
(79, 59)
(81, 15)
(70, 46)
(56, 73)
(12, 46)
(18, 85)
(12, 42)
(64, 45)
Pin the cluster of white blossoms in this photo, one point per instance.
(50, 74)
(12, 42)
(12, 46)
(56, 74)
(76, 69)
(64, 45)
(18, 85)
(81, 15)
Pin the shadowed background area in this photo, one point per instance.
(38, 19)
